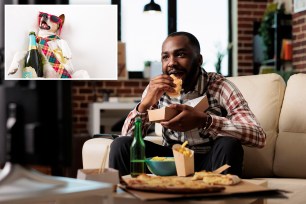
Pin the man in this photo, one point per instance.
(215, 135)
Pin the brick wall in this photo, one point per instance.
(85, 92)
(299, 41)
(248, 12)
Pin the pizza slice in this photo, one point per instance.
(201, 174)
(212, 178)
(221, 179)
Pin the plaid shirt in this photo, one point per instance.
(57, 66)
(229, 111)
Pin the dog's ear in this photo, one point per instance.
(62, 17)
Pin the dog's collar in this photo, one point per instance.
(50, 37)
(53, 37)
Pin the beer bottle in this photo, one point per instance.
(33, 67)
(137, 151)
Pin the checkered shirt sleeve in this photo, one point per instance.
(239, 121)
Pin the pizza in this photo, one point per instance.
(201, 174)
(170, 184)
(212, 178)
(178, 86)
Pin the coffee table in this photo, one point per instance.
(122, 197)
(21, 186)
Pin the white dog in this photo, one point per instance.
(55, 52)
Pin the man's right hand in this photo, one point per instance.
(156, 89)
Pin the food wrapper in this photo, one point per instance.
(184, 163)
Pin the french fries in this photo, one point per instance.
(157, 158)
(183, 150)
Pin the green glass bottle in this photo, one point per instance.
(137, 151)
(32, 68)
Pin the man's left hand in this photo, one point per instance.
(187, 119)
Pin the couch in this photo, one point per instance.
(281, 110)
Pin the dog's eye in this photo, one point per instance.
(55, 19)
(43, 15)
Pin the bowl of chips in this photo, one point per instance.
(161, 166)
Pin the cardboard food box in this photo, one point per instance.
(165, 113)
(184, 164)
(161, 114)
(109, 175)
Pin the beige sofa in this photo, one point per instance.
(281, 110)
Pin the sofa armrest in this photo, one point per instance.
(93, 152)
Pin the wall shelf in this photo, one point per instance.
(280, 32)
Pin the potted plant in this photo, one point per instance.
(218, 63)
(266, 29)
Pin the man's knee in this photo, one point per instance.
(228, 150)
(120, 144)
(229, 145)
(121, 141)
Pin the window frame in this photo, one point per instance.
(172, 26)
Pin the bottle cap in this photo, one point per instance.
(32, 33)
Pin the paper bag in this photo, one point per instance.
(108, 176)
(184, 164)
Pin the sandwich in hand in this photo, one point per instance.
(178, 86)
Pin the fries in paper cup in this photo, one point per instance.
(184, 159)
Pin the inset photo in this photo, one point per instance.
(55, 42)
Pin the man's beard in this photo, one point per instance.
(191, 77)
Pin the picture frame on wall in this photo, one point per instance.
(90, 48)
(299, 5)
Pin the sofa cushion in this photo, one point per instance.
(290, 150)
(264, 94)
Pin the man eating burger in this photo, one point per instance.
(216, 135)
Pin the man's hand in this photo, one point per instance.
(186, 120)
(157, 87)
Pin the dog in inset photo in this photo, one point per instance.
(55, 53)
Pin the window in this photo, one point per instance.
(208, 21)
(143, 33)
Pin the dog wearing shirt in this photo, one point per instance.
(55, 52)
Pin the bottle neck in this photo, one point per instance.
(138, 131)
(32, 43)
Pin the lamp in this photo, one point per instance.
(152, 6)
